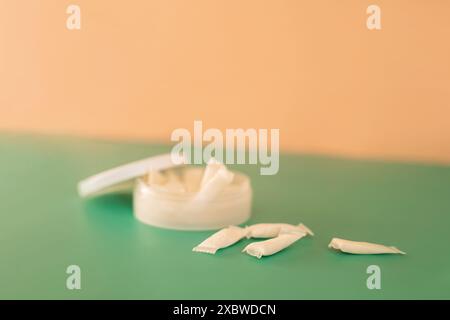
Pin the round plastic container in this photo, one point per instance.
(161, 208)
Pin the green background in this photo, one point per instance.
(46, 227)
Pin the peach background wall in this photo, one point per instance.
(139, 69)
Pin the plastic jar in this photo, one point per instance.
(161, 208)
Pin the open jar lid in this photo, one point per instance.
(123, 176)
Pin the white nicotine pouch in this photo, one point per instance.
(272, 246)
(155, 178)
(210, 170)
(270, 230)
(357, 247)
(173, 183)
(191, 178)
(221, 239)
(214, 185)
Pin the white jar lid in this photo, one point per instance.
(118, 177)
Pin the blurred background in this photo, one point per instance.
(139, 69)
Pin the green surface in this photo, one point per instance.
(45, 227)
